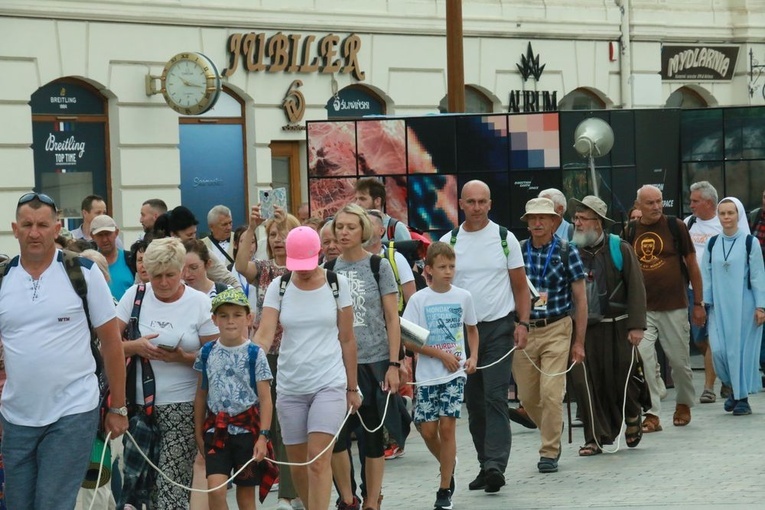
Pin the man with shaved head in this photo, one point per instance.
(490, 266)
(667, 260)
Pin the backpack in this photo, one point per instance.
(674, 231)
(331, 281)
(252, 353)
(73, 267)
(749, 241)
(502, 239)
(374, 263)
(599, 300)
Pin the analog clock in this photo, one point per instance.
(190, 83)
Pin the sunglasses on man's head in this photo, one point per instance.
(42, 197)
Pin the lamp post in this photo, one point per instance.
(455, 71)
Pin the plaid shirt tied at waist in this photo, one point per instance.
(250, 421)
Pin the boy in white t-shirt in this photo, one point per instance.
(443, 310)
(232, 408)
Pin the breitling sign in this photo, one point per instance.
(294, 53)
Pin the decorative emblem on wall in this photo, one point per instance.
(529, 65)
(294, 103)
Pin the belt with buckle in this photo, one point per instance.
(541, 323)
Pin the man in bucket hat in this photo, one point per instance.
(555, 269)
(615, 323)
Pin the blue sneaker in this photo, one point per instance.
(730, 403)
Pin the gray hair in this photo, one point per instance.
(164, 254)
(556, 195)
(707, 191)
(217, 211)
(327, 226)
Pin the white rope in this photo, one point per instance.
(100, 469)
(364, 425)
(231, 479)
(624, 407)
(545, 373)
(459, 371)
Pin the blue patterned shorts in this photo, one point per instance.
(439, 400)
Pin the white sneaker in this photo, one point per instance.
(283, 504)
(297, 504)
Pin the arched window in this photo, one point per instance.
(355, 101)
(70, 143)
(581, 99)
(475, 101)
(686, 97)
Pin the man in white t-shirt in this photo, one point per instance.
(50, 403)
(492, 270)
(702, 225)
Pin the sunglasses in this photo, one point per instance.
(42, 197)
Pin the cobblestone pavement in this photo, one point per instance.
(717, 461)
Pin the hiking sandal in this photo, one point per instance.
(589, 450)
(634, 432)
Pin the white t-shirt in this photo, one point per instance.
(187, 318)
(405, 274)
(443, 314)
(310, 357)
(701, 231)
(48, 361)
(482, 269)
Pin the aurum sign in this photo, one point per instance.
(294, 53)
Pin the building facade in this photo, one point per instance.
(82, 113)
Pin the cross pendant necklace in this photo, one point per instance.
(726, 264)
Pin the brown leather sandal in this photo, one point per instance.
(651, 424)
(682, 416)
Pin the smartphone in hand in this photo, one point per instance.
(270, 198)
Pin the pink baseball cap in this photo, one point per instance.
(303, 246)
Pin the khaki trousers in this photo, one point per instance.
(541, 395)
(672, 330)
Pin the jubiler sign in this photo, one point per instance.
(698, 63)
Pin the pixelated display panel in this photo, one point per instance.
(331, 149)
(381, 147)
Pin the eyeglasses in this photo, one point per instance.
(583, 218)
(42, 197)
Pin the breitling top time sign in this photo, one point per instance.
(532, 100)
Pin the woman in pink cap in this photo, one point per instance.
(316, 381)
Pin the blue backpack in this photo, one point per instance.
(252, 352)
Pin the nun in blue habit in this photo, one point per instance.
(734, 286)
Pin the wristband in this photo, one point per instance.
(698, 303)
(524, 324)
(265, 433)
(394, 364)
(355, 390)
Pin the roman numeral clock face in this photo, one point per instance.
(190, 83)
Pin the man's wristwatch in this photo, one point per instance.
(265, 433)
(122, 411)
(524, 324)
(699, 303)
